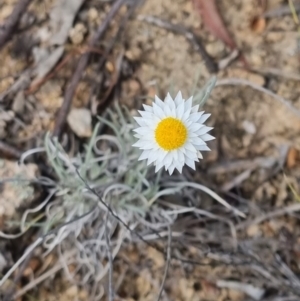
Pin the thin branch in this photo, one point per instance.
(93, 191)
(110, 261)
(7, 28)
(167, 264)
(83, 61)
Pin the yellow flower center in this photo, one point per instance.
(170, 134)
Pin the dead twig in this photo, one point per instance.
(188, 34)
(9, 151)
(83, 61)
(7, 28)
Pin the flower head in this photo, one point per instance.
(172, 133)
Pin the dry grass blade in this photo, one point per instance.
(277, 213)
(110, 260)
(244, 82)
(168, 261)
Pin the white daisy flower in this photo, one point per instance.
(172, 133)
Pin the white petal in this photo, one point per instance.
(168, 100)
(204, 130)
(178, 99)
(179, 166)
(195, 109)
(157, 110)
(175, 155)
(144, 155)
(194, 127)
(139, 144)
(146, 114)
(138, 136)
(189, 162)
(182, 149)
(159, 102)
(180, 157)
(171, 169)
(197, 141)
(199, 155)
(168, 158)
(204, 118)
(158, 166)
(140, 121)
(180, 110)
(147, 108)
(195, 117)
(143, 130)
(149, 145)
(191, 155)
(202, 147)
(161, 155)
(186, 115)
(168, 111)
(152, 157)
(188, 104)
(152, 123)
(189, 146)
(192, 135)
(207, 137)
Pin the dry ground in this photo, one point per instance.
(254, 160)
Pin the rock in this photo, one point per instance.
(235, 295)
(7, 116)
(249, 127)
(72, 291)
(215, 48)
(19, 103)
(110, 66)
(80, 121)
(156, 257)
(143, 284)
(93, 15)
(15, 193)
(253, 231)
(77, 33)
